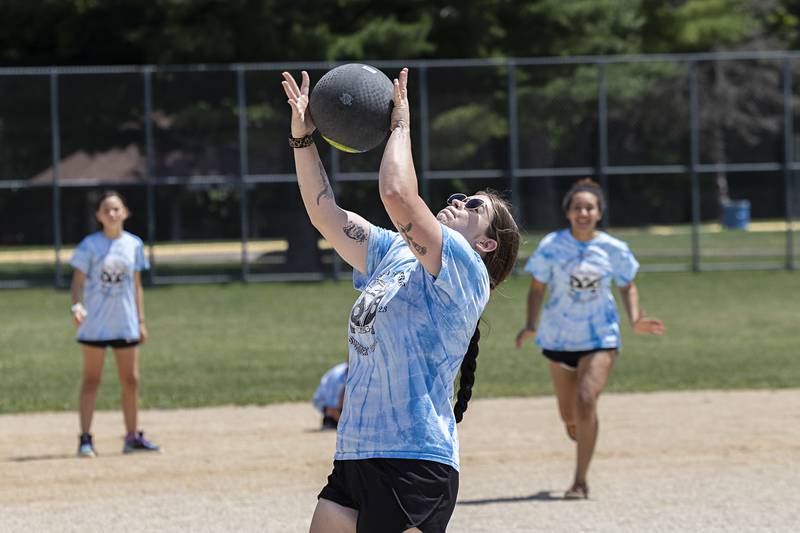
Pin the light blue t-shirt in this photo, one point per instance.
(408, 333)
(330, 387)
(109, 293)
(580, 313)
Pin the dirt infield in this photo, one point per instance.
(694, 461)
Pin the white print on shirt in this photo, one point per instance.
(584, 282)
(114, 273)
(368, 305)
(366, 308)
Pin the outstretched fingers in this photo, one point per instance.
(401, 87)
(403, 79)
(288, 91)
(290, 86)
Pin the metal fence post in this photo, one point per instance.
(513, 142)
(424, 137)
(694, 151)
(147, 76)
(244, 168)
(788, 159)
(602, 140)
(55, 145)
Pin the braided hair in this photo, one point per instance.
(467, 379)
(499, 263)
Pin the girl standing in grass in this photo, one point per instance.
(108, 310)
(579, 329)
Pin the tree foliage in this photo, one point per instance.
(558, 120)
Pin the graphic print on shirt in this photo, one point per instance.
(114, 273)
(584, 282)
(373, 300)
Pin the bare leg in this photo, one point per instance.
(128, 370)
(593, 371)
(330, 517)
(92, 373)
(565, 383)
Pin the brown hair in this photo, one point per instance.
(108, 194)
(585, 185)
(499, 262)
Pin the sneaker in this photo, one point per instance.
(85, 447)
(137, 443)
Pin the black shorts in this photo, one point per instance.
(113, 343)
(392, 495)
(570, 360)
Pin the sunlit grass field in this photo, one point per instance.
(264, 343)
(658, 248)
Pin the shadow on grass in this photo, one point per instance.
(541, 496)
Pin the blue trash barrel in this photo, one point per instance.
(736, 214)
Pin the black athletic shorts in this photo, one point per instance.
(392, 495)
(113, 343)
(570, 359)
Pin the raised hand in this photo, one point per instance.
(302, 124)
(401, 115)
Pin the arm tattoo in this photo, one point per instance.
(405, 230)
(326, 191)
(355, 232)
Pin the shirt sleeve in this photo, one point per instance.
(540, 264)
(82, 256)
(625, 266)
(380, 240)
(141, 260)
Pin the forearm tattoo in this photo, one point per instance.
(355, 232)
(405, 230)
(326, 191)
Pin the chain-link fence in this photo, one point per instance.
(697, 154)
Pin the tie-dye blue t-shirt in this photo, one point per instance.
(408, 333)
(330, 387)
(580, 313)
(109, 293)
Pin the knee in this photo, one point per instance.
(586, 406)
(130, 382)
(90, 384)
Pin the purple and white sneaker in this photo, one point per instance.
(135, 442)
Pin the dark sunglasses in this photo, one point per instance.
(472, 203)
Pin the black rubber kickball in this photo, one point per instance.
(351, 106)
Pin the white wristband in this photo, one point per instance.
(78, 308)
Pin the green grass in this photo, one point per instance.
(264, 343)
(654, 247)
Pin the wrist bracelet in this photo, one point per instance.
(301, 142)
(77, 308)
